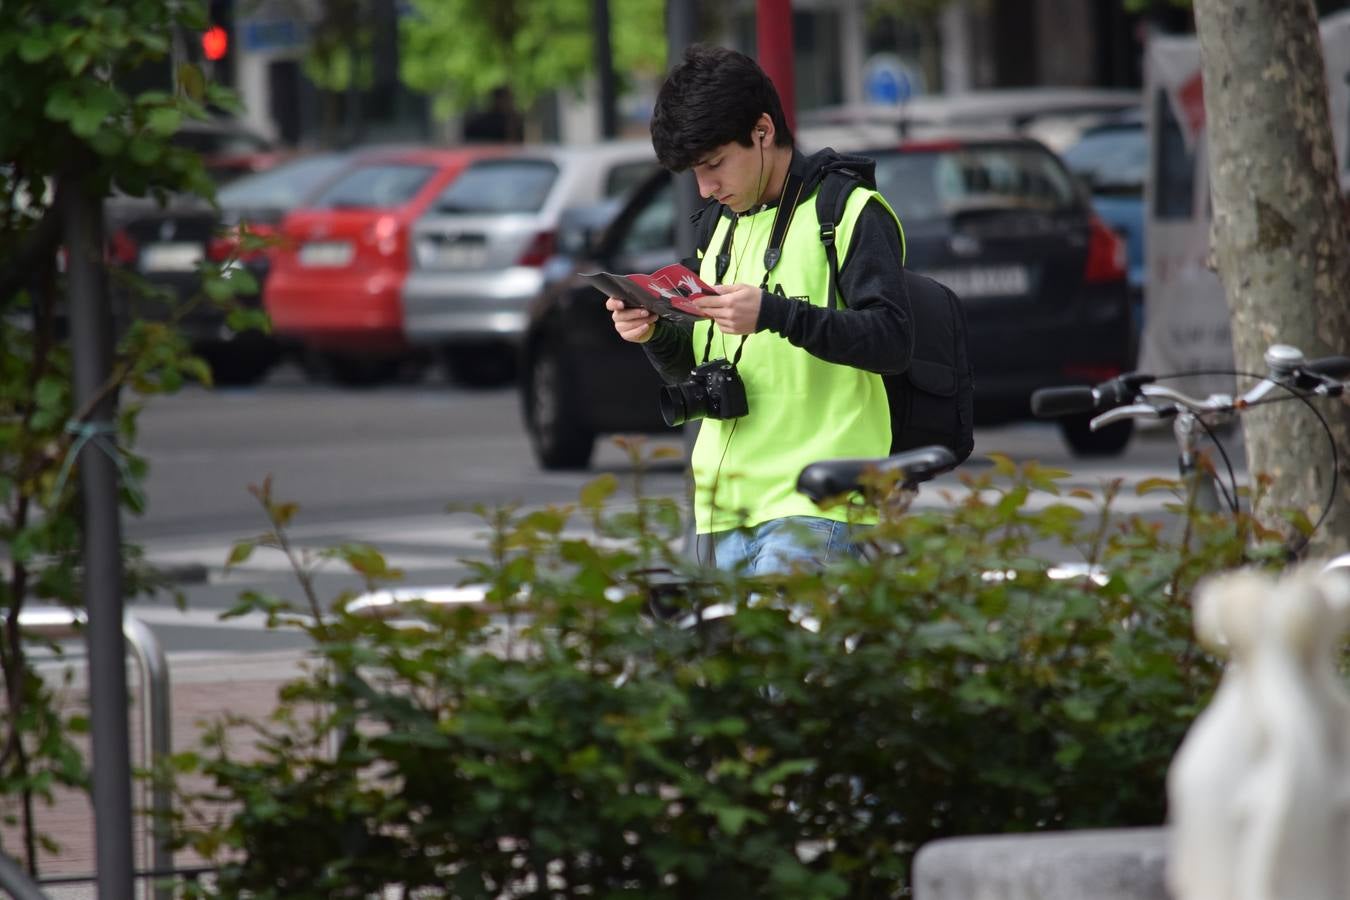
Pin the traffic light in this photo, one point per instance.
(215, 43)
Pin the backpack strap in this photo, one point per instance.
(830, 202)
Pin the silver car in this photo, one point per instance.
(478, 251)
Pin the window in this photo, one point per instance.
(375, 186)
(500, 186)
(931, 184)
(653, 228)
(1112, 159)
(626, 176)
(284, 187)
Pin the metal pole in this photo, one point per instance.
(91, 346)
(773, 28)
(604, 69)
(681, 31)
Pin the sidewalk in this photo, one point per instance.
(201, 688)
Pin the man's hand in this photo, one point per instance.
(735, 309)
(636, 325)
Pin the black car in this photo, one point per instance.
(165, 245)
(999, 220)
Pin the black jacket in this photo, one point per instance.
(873, 325)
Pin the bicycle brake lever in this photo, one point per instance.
(1132, 411)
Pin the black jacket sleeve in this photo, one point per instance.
(872, 328)
(670, 350)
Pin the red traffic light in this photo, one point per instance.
(215, 42)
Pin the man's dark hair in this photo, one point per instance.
(713, 97)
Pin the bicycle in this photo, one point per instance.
(1139, 396)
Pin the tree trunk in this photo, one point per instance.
(1279, 234)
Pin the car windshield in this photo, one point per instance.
(928, 184)
(500, 186)
(1111, 160)
(374, 186)
(284, 187)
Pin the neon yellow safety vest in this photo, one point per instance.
(802, 409)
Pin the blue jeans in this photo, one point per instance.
(779, 545)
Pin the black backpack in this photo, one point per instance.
(932, 401)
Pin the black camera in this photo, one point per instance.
(714, 390)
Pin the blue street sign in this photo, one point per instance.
(887, 80)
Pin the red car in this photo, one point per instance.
(336, 280)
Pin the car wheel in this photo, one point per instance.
(360, 371)
(559, 441)
(238, 363)
(486, 366)
(1083, 441)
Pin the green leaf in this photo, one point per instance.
(1079, 709)
(191, 81)
(598, 490)
(34, 48)
(764, 782)
(217, 288)
(144, 149)
(164, 121)
(241, 279)
(1003, 464)
(240, 553)
(108, 142)
(60, 105)
(731, 819)
(241, 319)
(1150, 485)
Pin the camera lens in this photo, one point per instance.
(682, 403)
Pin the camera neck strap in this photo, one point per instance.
(707, 346)
(782, 221)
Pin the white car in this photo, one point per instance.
(478, 251)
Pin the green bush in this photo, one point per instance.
(563, 743)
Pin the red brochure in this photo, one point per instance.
(669, 292)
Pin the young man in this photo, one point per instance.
(811, 374)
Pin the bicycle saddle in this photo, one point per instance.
(832, 477)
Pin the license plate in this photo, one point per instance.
(174, 256)
(326, 253)
(985, 281)
(454, 256)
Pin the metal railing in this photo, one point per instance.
(16, 882)
(60, 623)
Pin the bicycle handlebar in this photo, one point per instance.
(1133, 395)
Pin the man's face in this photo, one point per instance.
(733, 174)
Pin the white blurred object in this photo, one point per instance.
(1258, 789)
